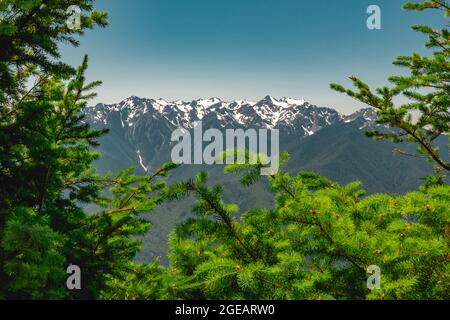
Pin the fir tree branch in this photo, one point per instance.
(223, 215)
(135, 192)
(322, 229)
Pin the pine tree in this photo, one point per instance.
(317, 242)
(47, 181)
(426, 116)
(30, 31)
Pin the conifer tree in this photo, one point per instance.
(426, 115)
(30, 34)
(47, 182)
(317, 243)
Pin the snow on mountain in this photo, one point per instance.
(286, 113)
(367, 117)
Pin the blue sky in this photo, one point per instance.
(245, 49)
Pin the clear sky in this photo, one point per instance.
(245, 49)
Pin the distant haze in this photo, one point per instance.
(236, 49)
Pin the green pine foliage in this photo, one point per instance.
(54, 209)
(141, 282)
(32, 251)
(317, 243)
(30, 31)
(426, 115)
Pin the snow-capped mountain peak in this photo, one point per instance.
(288, 114)
(291, 101)
(206, 103)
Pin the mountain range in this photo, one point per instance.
(140, 129)
(319, 139)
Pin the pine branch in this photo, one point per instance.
(321, 228)
(223, 215)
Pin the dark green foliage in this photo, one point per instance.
(46, 176)
(32, 253)
(49, 171)
(30, 31)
